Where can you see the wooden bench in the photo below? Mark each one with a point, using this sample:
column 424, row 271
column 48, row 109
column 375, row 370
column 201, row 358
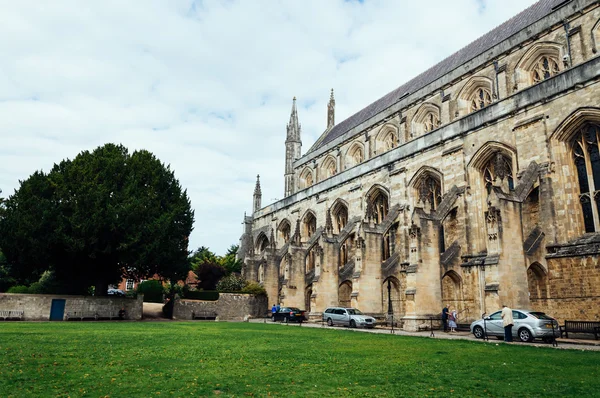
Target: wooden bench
column 204, row 315
column 91, row 316
column 11, row 314
column 590, row 327
column 81, row 316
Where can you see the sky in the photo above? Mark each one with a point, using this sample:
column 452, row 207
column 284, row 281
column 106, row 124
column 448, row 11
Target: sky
column 207, row 86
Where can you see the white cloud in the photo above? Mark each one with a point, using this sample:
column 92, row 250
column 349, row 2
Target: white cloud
column 207, row 85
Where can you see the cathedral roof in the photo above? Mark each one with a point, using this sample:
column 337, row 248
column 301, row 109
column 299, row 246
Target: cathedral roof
column 520, row 21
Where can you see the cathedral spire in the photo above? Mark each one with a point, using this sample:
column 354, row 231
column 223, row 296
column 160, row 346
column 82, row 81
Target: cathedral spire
column 293, row 147
column 257, row 195
column 293, row 126
column 331, row 112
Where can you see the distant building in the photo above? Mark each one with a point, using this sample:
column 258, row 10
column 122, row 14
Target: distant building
column 473, row 184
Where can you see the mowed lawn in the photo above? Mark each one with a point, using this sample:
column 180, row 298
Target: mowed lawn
column 125, row 359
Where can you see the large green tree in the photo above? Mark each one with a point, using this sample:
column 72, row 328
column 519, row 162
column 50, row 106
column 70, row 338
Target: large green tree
column 94, row 219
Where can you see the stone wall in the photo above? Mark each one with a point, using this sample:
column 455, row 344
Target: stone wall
column 229, row 307
column 36, row 307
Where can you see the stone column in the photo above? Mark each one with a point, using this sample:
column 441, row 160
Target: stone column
column 294, row 293
column 366, row 286
column 425, row 285
column 271, row 282
column 512, row 269
column 327, row 285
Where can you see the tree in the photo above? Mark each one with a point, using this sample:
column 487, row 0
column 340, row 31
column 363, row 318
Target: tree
column 230, row 261
column 209, row 275
column 92, row 220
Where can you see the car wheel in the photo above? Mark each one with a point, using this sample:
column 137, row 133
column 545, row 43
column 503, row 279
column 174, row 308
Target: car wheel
column 352, row 323
column 525, row 335
column 286, row 319
column 329, row 322
column 273, row 318
column 478, row 332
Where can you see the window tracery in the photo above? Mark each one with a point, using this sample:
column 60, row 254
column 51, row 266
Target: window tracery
column 390, row 141
column 310, row 225
column 358, row 156
column 377, row 206
column 340, row 215
column 329, row 168
column 545, row 67
column 481, row 98
column 430, row 190
column 431, row 122
column 586, row 156
column 499, row 167
column 285, row 231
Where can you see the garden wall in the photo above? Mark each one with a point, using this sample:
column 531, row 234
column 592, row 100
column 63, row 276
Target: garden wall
column 36, row 307
column 229, row 307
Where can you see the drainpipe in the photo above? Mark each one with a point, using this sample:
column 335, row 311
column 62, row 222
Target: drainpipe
column 496, row 92
column 567, row 26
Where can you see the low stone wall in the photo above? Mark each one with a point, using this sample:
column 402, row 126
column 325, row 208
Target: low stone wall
column 36, row 307
column 229, row 307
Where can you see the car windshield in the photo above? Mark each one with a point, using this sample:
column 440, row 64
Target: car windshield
column 294, row 309
column 540, row 315
column 353, row 311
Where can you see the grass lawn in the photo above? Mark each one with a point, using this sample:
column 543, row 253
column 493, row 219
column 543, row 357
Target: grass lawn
column 126, row 359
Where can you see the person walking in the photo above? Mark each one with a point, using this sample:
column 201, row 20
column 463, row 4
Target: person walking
column 273, row 309
column 445, row 318
column 507, row 322
column 452, row 317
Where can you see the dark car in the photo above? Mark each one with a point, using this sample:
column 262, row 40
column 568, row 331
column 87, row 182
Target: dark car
column 288, row 314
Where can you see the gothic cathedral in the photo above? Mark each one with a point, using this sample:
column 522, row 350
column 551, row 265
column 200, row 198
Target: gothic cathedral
column 473, row 184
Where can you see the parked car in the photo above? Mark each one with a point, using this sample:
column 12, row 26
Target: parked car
column 528, row 325
column 288, row 314
column 348, row 317
column 116, row 292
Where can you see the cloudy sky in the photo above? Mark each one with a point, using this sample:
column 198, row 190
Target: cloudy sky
column 207, row 86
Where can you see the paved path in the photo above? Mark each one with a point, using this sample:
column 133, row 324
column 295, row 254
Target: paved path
column 567, row 344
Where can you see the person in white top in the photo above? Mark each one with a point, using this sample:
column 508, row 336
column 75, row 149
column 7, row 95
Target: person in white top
column 507, row 322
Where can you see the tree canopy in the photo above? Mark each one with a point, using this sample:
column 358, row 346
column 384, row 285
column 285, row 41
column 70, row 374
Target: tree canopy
column 92, row 220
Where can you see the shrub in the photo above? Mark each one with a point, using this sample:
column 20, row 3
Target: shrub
column 231, row 283
column 18, row 289
column 152, row 290
column 254, row 288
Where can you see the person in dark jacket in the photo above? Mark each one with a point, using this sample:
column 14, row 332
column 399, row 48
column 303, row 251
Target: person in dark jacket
column 445, row 317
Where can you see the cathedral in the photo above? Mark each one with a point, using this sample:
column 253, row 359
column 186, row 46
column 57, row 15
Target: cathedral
column 472, row 185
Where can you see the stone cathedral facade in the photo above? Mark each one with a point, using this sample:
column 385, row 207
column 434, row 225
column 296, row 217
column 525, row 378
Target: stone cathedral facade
column 473, row 184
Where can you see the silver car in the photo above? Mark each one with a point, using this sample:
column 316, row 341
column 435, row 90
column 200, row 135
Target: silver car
column 348, row 317
column 528, row 325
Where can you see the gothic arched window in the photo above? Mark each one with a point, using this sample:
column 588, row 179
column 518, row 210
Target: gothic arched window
column 545, row 67
column 430, row 190
column 431, row 122
column 340, row 217
column 358, row 156
column 285, row 230
column 377, row 206
column 310, row 225
column 329, row 168
column 480, row 99
column 587, row 162
column 390, row 141
column 499, row 167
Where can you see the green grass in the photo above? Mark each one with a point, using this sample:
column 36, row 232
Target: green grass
column 98, row 359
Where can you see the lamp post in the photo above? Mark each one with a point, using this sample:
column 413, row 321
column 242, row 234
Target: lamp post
column 390, row 308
